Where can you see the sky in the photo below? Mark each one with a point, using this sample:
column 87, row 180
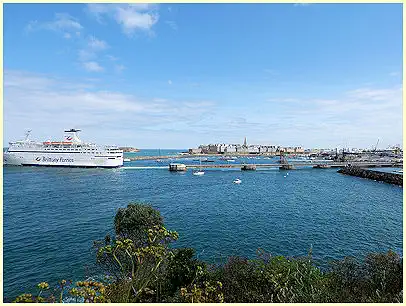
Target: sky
column 181, row 75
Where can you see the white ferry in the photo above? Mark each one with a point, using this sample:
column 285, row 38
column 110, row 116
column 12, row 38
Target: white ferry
column 71, row 152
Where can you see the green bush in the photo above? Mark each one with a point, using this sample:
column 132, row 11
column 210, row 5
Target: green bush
column 181, row 270
column 134, row 221
column 377, row 279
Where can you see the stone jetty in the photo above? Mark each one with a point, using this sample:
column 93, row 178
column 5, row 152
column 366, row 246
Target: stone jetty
column 391, row 178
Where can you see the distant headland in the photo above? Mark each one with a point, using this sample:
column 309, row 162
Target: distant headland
column 129, row 149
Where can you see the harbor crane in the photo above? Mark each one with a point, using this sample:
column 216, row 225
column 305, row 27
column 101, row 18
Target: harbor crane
column 376, row 145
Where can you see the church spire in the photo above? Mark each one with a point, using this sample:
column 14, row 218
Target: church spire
column 245, row 142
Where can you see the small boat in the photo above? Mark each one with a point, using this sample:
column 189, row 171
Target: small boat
column 126, row 159
column 237, row 181
column 231, row 160
column 198, row 173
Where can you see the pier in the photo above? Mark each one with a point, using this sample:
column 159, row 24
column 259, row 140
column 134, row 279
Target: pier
column 291, row 166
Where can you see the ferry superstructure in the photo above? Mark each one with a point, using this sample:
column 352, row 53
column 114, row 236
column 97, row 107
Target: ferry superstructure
column 71, row 152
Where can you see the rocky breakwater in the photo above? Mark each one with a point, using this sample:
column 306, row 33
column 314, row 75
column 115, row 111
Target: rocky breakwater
column 391, row 178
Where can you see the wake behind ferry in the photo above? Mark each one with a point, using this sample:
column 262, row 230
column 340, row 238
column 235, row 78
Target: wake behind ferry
column 71, row 152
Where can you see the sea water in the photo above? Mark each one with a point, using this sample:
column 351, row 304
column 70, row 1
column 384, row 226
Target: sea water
column 52, row 216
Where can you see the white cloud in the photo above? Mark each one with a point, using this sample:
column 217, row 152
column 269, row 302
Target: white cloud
column 395, row 73
column 375, row 94
column 93, row 66
column 159, row 100
column 271, row 71
column 172, row 24
column 283, row 100
column 93, row 46
column 143, row 6
column 29, row 81
column 63, row 23
column 97, row 44
column 98, row 10
column 85, row 55
column 131, row 17
column 119, row 68
column 89, row 54
column 111, row 57
column 69, row 27
column 360, row 115
column 32, row 100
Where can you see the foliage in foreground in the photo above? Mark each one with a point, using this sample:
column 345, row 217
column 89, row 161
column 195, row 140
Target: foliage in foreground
column 143, row 268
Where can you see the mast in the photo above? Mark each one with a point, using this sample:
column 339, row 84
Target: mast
column 27, row 135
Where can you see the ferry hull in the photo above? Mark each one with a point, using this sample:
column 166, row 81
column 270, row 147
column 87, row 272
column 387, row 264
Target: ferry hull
column 63, row 160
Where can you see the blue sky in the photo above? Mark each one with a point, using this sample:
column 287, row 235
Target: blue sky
column 180, row 75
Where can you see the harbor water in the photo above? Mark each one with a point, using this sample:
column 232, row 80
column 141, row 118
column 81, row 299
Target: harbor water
column 53, row 215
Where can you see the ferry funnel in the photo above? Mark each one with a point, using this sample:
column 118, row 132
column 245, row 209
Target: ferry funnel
column 71, row 136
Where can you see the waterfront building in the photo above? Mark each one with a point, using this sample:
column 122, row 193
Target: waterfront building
column 213, row 148
column 269, row 149
column 230, row 149
column 242, row 149
column 204, row 148
column 253, row 149
column 222, row 148
column 195, row 151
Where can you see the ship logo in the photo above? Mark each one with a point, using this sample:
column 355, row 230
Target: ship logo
column 38, row 159
column 69, row 138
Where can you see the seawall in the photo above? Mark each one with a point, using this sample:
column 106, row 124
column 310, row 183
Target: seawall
column 391, row 178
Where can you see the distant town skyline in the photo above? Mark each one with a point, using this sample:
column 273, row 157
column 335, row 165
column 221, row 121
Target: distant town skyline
column 182, row 75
